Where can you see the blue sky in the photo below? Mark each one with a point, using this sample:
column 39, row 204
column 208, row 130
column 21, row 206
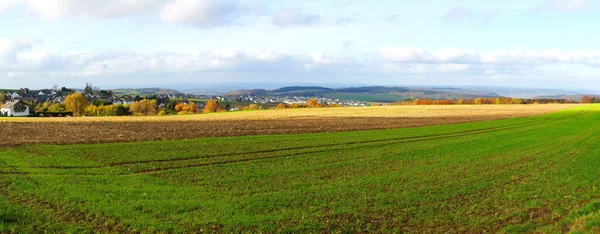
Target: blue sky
column 197, row 43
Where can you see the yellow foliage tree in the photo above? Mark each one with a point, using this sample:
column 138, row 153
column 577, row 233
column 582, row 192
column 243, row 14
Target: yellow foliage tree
column 144, row 107
column 516, row 101
column 3, row 97
column 281, row 106
column 57, row 108
column 252, row 107
column 76, row 103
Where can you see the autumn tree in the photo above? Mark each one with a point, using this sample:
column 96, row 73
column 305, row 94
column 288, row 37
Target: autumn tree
column 516, row 101
column 144, row 107
column 3, row 97
column 43, row 107
column 313, row 103
column 191, row 108
column 76, row 103
column 57, row 108
column 185, row 108
column 211, row 106
column 587, row 99
column 478, row 101
column 281, row 106
column 252, row 107
column 179, row 107
column 497, row 101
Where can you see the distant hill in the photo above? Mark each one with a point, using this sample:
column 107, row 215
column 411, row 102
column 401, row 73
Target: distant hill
column 144, row 91
column 250, row 92
column 369, row 93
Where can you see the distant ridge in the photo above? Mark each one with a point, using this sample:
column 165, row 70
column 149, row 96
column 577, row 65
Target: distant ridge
column 145, row 91
column 369, row 93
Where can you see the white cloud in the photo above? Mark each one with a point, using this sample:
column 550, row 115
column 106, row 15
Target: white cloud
column 6, row 4
column 9, row 49
column 22, row 63
column 504, row 57
column 201, row 13
column 18, row 58
column 565, row 5
column 49, row 9
column 351, row 19
column 491, row 15
column 415, row 55
column 457, row 14
column 394, row 18
column 292, row 17
column 209, row 13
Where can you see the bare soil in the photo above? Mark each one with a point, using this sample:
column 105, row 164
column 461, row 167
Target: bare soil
column 71, row 132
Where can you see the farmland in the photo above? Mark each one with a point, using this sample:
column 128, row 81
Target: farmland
column 532, row 174
column 121, row 129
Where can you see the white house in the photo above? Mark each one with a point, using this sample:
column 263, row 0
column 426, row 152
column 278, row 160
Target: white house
column 15, row 108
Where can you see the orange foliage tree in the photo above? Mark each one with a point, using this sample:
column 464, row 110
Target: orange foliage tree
column 586, row 99
column 211, row 106
column 185, row 108
column 313, row 103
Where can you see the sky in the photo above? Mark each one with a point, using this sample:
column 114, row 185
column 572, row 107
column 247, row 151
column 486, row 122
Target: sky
column 187, row 44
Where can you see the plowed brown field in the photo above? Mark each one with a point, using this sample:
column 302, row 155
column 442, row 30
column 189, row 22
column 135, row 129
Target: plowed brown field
column 17, row 131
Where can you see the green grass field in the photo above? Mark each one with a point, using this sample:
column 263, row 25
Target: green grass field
column 536, row 174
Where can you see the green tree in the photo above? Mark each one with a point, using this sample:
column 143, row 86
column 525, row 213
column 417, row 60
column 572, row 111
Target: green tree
column 88, row 88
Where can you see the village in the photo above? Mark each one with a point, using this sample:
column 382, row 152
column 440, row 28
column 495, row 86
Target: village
column 52, row 102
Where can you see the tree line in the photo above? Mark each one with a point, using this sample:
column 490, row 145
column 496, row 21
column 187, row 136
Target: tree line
column 78, row 105
column 483, row 101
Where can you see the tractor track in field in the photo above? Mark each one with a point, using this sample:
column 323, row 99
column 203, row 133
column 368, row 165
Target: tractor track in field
column 465, row 199
column 410, row 140
column 94, row 223
column 521, row 178
column 384, row 143
column 272, row 151
column 388, row 141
